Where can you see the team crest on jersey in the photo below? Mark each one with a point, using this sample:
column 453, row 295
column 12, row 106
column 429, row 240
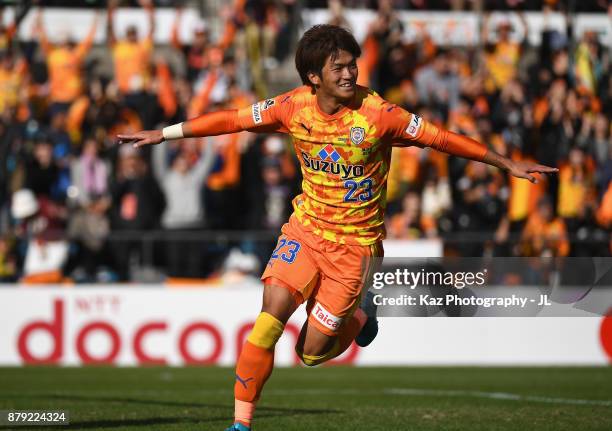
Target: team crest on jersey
column 357, row 135
column 267, row 104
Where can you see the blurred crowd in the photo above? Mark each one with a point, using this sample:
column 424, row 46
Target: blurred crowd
column 76, row 206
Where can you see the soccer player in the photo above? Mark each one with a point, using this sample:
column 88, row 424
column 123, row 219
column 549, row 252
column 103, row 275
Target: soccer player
column 343, row 134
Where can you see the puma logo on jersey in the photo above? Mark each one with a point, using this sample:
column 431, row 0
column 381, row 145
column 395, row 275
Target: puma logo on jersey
column 267, row 104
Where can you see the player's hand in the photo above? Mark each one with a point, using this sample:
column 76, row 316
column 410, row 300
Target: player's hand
column 140, row 139
column 522, row 169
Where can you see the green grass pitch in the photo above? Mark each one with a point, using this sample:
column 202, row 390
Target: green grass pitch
column 322, row 399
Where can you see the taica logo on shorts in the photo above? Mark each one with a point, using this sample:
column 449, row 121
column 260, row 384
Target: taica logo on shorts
column 325, row 318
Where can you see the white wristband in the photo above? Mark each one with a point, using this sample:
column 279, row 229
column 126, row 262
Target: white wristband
column 173, row 132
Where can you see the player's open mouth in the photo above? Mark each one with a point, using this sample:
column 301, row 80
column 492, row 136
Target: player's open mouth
column 347, row 85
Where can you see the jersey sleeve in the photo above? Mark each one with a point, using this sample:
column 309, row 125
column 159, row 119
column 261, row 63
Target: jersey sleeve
column 404, row 128
column 269, row 115
column 262, row 117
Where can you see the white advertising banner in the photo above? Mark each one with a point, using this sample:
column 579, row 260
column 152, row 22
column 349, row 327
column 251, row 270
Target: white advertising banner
column 446, row 28
column 463, row 28
column 138, row 325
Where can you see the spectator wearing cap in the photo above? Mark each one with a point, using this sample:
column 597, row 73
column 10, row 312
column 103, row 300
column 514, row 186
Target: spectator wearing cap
column 40, row 231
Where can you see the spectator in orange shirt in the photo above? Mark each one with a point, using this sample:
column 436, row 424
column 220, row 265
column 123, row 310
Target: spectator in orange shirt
column 131, row 58
column 502, row 57
column 64, row 61
column 13, row 76
column 576, row 187
column 604, row 212
column 544, row 234
column 411, row 223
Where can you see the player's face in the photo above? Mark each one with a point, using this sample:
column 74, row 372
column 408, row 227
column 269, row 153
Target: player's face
column 339, row 76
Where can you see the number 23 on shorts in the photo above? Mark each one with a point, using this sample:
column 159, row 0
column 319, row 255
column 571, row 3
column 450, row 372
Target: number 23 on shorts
column 287, row 250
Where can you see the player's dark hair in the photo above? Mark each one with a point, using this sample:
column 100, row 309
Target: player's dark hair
column 320, row 42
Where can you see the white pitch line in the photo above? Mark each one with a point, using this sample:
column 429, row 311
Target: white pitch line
column 411, row 392
column 444, row 393
column 495, row 396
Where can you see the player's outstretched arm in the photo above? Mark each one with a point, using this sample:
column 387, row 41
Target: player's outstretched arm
column 463, row 146
column 211, row 124
column 466, row 147
column 261, row 117
column 425, row 134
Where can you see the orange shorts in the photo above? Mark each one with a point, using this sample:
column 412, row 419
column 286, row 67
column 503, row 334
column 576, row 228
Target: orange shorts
column 330, row 276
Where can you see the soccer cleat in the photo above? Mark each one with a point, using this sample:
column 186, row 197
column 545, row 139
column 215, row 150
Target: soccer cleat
column 370, row 329
column 238, row 427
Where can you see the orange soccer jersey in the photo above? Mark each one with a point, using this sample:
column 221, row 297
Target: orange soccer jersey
column 345, row 157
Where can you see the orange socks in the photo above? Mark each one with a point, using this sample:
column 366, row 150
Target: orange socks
column 255, row 365
column 252, row 370
column 257, row 359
